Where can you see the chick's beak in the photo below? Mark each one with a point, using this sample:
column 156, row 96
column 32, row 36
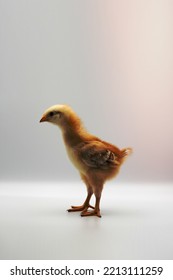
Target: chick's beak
column 43, row 119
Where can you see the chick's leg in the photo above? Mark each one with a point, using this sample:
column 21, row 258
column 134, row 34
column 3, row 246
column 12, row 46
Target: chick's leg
column 96, row 211
column 86, row 203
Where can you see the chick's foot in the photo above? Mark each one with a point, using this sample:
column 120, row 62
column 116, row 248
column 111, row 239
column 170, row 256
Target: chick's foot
column 95, row 212
column 79, row 208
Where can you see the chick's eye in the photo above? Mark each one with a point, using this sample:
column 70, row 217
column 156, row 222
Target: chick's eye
column 51, row 114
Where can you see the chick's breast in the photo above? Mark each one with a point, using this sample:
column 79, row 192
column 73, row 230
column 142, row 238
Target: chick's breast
column 74, row 157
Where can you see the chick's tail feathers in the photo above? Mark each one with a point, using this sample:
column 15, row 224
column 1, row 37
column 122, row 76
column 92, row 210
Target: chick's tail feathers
column 125, row 153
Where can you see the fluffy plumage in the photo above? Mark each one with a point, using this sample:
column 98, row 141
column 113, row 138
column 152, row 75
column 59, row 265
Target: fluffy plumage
column 96, row 160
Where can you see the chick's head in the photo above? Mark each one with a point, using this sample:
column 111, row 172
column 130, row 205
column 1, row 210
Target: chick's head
column 61, row 115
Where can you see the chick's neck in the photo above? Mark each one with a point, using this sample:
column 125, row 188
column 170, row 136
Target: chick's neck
column 73, row 136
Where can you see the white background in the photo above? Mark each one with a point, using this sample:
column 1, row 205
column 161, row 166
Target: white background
column 112, row 61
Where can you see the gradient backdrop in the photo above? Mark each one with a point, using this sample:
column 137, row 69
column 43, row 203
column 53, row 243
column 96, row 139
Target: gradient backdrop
column 112, row 62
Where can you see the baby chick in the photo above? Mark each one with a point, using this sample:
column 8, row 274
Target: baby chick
column 96, row 160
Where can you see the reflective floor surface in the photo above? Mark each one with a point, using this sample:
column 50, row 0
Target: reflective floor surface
column 136, row 223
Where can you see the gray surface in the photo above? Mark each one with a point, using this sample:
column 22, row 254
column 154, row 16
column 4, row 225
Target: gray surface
column 136, row 222
column 110, row 60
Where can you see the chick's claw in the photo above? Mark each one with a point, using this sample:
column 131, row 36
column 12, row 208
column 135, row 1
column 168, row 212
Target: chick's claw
column 86, row 213
column 76, row 208
column 80, row 208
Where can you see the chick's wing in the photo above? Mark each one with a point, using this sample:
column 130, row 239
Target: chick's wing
column 96, row 154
